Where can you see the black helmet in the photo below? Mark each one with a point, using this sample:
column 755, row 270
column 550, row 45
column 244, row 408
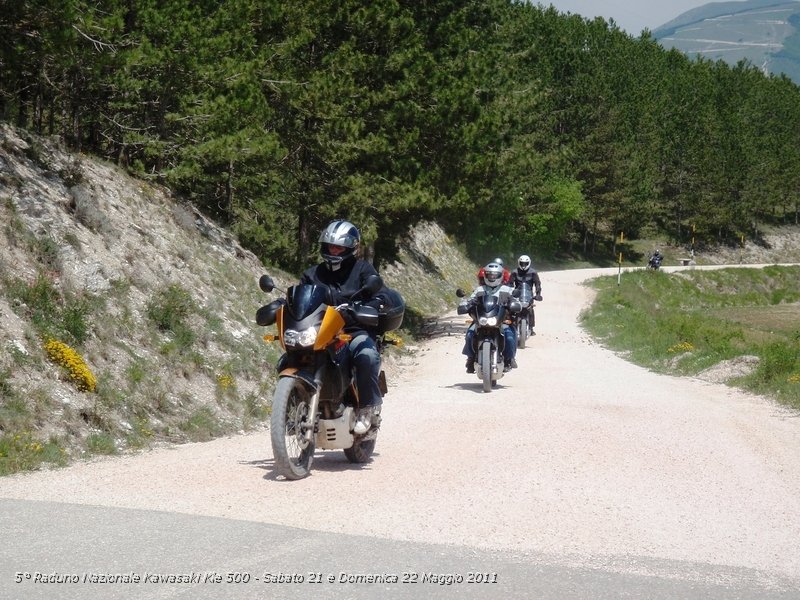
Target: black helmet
column 339, row 233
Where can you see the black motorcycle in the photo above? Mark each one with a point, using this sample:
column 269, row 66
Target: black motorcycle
column 488, row 317
column 655, row 262
column 525, row 319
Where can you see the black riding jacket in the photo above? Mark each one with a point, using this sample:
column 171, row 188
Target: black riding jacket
column 531, row 277
column 344, row 281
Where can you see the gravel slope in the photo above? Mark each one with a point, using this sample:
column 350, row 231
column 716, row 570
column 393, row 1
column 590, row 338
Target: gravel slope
column 577, row 455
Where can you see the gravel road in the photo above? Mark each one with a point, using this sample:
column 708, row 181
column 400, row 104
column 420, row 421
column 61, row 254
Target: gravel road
column 577, row 456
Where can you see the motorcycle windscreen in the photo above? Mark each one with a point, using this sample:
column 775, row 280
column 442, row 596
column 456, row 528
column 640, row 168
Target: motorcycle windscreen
column 490, row 304
column 304, row 299
column 525, row 294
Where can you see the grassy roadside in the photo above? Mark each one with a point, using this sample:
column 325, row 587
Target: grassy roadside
column 685, row 322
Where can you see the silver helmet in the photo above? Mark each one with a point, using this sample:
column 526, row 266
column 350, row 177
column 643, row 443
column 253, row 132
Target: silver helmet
column 493, row 274
column 339, row 233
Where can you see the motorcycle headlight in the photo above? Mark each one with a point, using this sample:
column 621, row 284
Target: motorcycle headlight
column 307, row 337
column 488, row 321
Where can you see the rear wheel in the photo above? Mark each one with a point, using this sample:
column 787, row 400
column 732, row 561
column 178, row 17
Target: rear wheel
column 292, row 451
column 486, row 366
column 360, row 452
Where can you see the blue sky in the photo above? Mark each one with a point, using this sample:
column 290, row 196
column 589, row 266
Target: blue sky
column 630, row 15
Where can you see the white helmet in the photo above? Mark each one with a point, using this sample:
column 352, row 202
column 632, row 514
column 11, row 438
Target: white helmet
column 493, row 274
column 524, row 263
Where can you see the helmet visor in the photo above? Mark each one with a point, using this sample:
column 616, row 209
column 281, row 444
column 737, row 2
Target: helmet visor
column 492, row 277
column 333, row 249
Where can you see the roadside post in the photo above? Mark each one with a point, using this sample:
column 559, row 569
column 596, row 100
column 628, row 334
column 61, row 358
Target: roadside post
column 741, row 251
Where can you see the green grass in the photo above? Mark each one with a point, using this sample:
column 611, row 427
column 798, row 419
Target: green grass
column 23, row 451
column 201, row 425
column 686, row 322
column 51, row 313
column 101, row 443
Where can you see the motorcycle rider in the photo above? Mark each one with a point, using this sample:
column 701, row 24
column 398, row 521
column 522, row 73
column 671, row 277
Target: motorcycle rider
column 655, row 259
column 525, row 273
column 493, row 285
column 344, row 273
column 506, row 274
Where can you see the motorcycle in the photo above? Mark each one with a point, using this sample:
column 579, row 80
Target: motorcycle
column 315, row 402
column 655, row 262
column 525, row 319
column 488, row 317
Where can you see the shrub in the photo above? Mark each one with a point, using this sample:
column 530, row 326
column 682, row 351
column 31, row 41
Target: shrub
column 201, row 425
column 101, row 443
column 69, row 359
column 170, row 307
column 51, row 316
column 778, row 361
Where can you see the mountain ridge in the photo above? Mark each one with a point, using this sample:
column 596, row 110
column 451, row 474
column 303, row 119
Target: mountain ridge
column 764, row 33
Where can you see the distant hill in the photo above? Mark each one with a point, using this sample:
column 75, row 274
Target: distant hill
column 763, row 32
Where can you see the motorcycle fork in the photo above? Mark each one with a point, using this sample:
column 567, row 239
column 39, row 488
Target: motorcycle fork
column 496, row 352
column 313, row 405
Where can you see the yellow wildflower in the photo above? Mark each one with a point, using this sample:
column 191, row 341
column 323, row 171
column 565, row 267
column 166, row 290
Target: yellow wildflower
column 78, row 372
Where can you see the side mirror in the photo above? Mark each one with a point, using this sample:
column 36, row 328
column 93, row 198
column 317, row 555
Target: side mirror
column 514, row 306
column 460, row 293
column 266, row 284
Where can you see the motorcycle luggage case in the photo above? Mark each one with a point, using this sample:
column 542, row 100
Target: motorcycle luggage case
column 390, row 317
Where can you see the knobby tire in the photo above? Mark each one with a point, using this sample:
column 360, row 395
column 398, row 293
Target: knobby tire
column 486, row 366
column 293, row 454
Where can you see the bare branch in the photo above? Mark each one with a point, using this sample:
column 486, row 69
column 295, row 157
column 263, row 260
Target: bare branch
column 98, row 45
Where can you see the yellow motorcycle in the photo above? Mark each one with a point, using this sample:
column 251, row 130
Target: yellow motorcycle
column 316, row 400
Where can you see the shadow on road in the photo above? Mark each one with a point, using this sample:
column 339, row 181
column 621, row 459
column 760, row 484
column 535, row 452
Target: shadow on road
column 476, row 387
column 330, row 461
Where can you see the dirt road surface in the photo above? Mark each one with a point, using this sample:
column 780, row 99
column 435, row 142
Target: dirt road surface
column 577, row 455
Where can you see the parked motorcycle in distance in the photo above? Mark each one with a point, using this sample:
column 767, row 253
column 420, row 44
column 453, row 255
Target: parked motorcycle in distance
column 488, row 317
column 315, row 401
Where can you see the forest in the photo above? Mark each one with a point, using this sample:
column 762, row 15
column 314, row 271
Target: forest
column 516, row 127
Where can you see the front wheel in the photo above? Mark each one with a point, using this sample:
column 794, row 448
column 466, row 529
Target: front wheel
column 292, row 450
column 486, row 366
column 522, row 332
